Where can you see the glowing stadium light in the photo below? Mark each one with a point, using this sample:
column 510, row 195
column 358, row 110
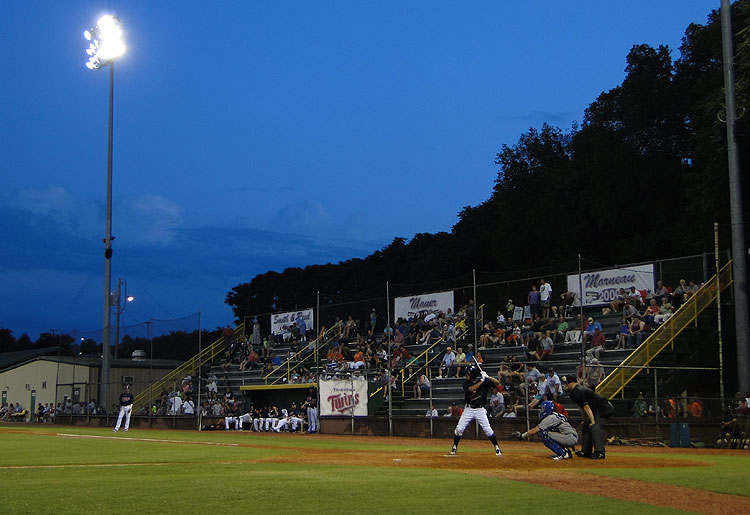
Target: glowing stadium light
column 106, row 42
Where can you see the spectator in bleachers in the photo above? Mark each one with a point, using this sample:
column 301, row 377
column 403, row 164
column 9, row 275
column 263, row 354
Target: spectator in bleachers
column 665, row 311
column 532, row 346
column 432, row 412
column 421, row 387
column 514, row 339
column 509, row 412
column 695, row 407
column 509, row 310
column 554, row 386
column 546, row 346
column 591, row 326
column 501, row 321
column 594, row 374
column 545, row 297
column 560, row 330
column 635, row 297
column 622, row 334
column 628, row 309
column 680, row 294
column 597, row 344
column 447, row 368
column 350, row 328
column 496, row 402
column 618, row 301
column 637, row 332
column 660, row 292
column 461, row 363
column 534, row 302
column 652, row 310
column 568, row 301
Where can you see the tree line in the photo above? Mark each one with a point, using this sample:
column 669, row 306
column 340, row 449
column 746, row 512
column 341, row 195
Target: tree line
column 644, row 176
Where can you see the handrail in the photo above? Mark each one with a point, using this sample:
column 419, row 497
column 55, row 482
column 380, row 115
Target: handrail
column 189, row 366
column 328, row 336
column 429, row 359
column 664, row 335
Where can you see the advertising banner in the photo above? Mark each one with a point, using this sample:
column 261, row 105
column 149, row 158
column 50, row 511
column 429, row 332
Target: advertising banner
column 602, row 287
column 339, row 396
column 279, row 320
column 407, row 307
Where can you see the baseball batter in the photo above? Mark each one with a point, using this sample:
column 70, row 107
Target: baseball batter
column 476, row 386
column 126, row 408
column 554, row 430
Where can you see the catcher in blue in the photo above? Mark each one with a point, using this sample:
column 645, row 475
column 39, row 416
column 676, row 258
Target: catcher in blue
column 554, row 430
column 476, row 386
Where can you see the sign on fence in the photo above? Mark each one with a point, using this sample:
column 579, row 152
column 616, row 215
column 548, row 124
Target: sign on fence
column 339, row 396
column 408, row 307
column 279, row 320
column 602, row 287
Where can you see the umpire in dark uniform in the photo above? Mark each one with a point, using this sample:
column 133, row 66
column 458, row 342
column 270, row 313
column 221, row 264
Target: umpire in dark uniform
column 595, row 409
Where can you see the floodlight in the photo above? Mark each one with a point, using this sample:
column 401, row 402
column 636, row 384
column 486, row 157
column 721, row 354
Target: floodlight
column 106, row 42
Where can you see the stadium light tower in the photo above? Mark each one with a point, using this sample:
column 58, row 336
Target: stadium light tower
column 105, row 47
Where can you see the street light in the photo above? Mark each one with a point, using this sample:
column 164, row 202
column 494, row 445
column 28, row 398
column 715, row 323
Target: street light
column 105, row 46
column 122, row 286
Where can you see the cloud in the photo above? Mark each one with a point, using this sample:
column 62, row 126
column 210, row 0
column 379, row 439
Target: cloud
column 149, row 220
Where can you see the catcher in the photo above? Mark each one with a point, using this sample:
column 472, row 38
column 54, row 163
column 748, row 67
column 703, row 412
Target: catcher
column 554, row 430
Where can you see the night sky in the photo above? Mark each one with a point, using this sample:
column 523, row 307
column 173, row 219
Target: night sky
column 254, row 136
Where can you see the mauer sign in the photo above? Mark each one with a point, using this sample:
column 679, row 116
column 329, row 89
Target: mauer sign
column 340, row 396
column 602, row 287
column 279, row 320
column 407, row 307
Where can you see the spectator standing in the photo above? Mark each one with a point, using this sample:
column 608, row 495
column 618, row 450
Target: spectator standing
column 533, row 300
column 545, row 297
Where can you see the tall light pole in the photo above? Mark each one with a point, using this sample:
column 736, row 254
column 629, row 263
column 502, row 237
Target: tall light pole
column 122, row 288
column 739, row 250
column 106, row 45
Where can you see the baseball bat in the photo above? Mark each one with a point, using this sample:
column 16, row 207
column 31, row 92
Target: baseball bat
column 477, row 363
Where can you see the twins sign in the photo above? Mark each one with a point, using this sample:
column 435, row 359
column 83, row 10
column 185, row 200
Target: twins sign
column 341, row 396
column 601, row 287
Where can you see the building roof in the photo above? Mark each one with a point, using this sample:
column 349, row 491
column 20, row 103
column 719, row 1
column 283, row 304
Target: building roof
column 12, row 359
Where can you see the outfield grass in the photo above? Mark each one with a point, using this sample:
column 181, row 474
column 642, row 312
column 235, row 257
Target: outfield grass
column 187, row 472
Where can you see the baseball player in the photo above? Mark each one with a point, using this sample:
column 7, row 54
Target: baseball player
column 126, row 408
column 554, row 430
column 476, row 386
column 311, row 403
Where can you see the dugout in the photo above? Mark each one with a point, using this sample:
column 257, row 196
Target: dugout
column 280, row 394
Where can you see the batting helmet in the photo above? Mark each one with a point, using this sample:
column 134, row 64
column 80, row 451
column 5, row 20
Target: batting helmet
column 473, row 372
column 546, row 408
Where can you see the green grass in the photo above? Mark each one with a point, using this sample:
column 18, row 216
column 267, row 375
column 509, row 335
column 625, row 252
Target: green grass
column 724, row 474
column 203, row 472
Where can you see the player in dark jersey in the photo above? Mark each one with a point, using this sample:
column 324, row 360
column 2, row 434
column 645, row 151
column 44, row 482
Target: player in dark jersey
column 126, row 408
column 476, row 386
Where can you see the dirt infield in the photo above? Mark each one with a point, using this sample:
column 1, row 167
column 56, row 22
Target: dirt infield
column 521, row 458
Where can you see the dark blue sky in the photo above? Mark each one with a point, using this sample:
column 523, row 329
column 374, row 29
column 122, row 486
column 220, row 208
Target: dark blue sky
column 253, row 136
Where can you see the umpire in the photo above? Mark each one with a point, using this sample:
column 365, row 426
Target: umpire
column 595, row 410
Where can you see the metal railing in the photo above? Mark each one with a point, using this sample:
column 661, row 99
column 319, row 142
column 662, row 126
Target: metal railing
column 663, row 336
column 328, row 336
column 188, row 367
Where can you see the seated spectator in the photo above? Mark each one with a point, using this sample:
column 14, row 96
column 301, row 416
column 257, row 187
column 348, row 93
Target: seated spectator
column 635, row 297
column 560, row 330
column 665, row 311
column 660, row 292
column 573, row 337
column 421, row 387
column 695, row 408
column 651, row 311
column 622, row 335
column 637, row 332
column 449, row 412
column 680, row 294
column 568, row 301
column 460, row 362
column 509, row 412
column 275, row 360
column 447, row 368
column 597, row 344
column 497, row 402
column 595, row 375
column 590, row 328
column 546, row 346
column 628, row 309
column 432, row 412
column 350, row 328
column 618, row 301
column 691, row 289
